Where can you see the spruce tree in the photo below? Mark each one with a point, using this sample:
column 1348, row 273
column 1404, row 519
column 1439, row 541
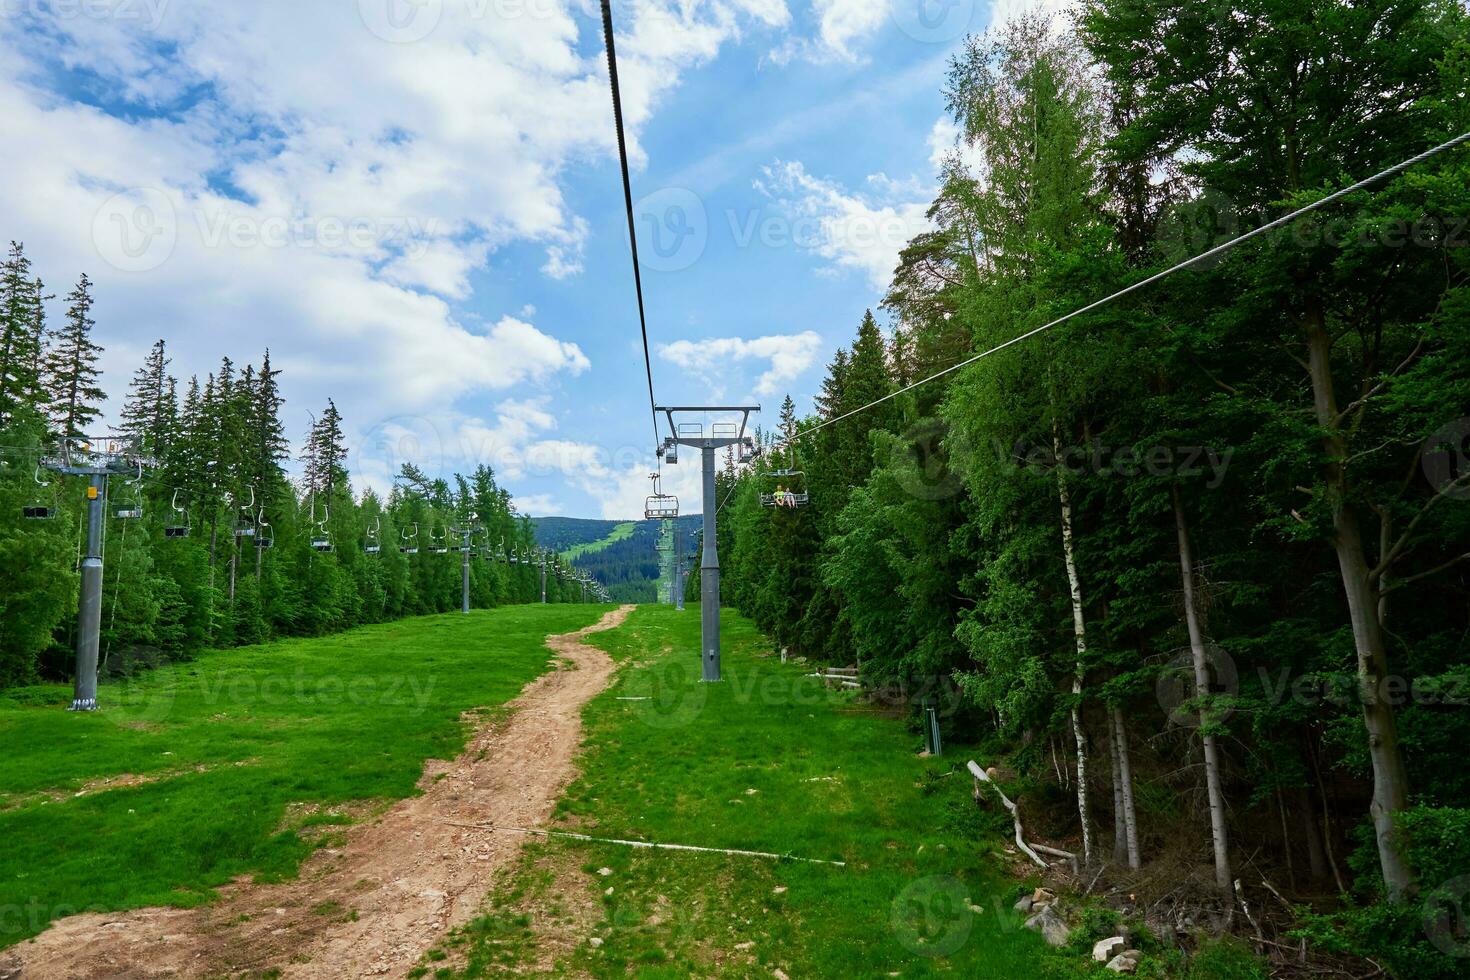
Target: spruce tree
column 21, row 314
column 71, row 372
column 147, row 412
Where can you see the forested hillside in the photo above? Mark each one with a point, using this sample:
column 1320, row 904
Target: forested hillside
column 563, row 534
column 1194, row 563
column 622, row 556
column 228, row 549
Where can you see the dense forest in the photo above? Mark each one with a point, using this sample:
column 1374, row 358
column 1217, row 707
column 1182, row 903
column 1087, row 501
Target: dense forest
column 226, row 548
column 1193, row 563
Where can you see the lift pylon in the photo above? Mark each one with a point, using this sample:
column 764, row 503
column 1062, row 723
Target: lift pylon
column 720, row 435
column 98, row 460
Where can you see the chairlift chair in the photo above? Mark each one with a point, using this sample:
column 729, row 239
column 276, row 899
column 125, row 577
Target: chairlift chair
column 132, row 509
column 245, row 528
column 373, row 546
column 661, row 506
column 265, row 534
column 177, row 530
column 780, row 496
column 440, row 542
column 410, row 545
column 39, row 511
column 321, row 541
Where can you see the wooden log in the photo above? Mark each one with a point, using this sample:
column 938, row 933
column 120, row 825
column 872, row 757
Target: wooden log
column 982, row 777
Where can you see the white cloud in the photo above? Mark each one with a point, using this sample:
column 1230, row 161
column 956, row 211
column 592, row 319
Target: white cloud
column 537, row 505
column 616, row 479
column 859, row 231
column 1003, row 12
column 788, row 355
column 946, row 143
column 841, row 24
column 325, row 193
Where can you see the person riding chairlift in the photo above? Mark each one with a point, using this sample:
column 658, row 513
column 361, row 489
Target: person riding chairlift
column 783, row 497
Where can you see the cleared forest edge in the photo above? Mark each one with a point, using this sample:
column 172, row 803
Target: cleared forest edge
column 373, row 906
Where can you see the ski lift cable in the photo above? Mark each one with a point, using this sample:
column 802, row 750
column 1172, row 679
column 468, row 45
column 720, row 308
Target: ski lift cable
column 617, row 101
column 1285, row 219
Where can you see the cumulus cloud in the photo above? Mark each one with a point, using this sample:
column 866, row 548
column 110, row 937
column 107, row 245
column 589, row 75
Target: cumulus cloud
column 1003, row 12
column 322, row 179
column 947, row 144
column 840, row 26
column 537, row 505
column 861, row 231
column 787, row 355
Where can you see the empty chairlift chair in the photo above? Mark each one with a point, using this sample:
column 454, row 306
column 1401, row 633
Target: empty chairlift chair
column 661, row 506
column 130, row 508
column 410, row 542
column 180, row 527
column 40, row 509
column 373, row 546
column 321, row 541
column 265, row 537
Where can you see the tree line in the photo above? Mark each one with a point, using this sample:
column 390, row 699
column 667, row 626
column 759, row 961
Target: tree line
column 230, row 548
column 1194, row 562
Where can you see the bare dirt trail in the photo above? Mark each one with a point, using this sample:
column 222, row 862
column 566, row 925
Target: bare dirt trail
column 374, row 906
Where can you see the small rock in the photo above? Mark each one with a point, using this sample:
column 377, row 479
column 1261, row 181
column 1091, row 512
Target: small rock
column 1051, row 927
column 595, row 942
column 751, row 792
column 609, row 890
column 1105, row 949
column 604, row 871
column 744, row 946
column 1121, row 964
column 779, row 890
column 779, row 974
column 1024, row 905
column 1042, row 895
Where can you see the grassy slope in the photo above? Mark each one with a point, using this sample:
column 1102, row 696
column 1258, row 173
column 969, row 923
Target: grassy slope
column 832, row 781
column 620, row 533
column 334, row 719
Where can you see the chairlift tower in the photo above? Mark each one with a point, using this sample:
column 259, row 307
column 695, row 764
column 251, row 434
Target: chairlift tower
column 721, row 435
column 679, row 567
column 469, row 530
column 97, row 460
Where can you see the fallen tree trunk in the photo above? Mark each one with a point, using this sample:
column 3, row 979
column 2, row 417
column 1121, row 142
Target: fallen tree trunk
column 982, row 777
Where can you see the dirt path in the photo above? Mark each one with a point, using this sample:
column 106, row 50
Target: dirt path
column 373, row 907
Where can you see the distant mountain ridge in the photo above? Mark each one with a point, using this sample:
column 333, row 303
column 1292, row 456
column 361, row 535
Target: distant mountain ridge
column 622, row 555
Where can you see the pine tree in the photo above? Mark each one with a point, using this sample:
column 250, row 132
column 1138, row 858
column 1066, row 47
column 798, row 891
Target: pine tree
column 22, row 318
column 71, row 371
column 326, row 455
column 148, row 413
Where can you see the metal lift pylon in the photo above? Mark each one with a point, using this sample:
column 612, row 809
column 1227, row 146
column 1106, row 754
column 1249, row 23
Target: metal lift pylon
column 720, row 436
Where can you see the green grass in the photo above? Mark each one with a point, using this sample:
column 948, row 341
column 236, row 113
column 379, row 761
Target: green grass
column 230, row 741
column 831, row 780
column 620, row 533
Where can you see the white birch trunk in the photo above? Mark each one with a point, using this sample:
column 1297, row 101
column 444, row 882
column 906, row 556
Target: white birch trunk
column 1202, row 690
column 1079, row 625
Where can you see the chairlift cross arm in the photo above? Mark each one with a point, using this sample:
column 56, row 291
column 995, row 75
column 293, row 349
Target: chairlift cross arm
column 713, row 440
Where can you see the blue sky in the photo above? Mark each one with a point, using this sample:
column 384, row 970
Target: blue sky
column 416, row 205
